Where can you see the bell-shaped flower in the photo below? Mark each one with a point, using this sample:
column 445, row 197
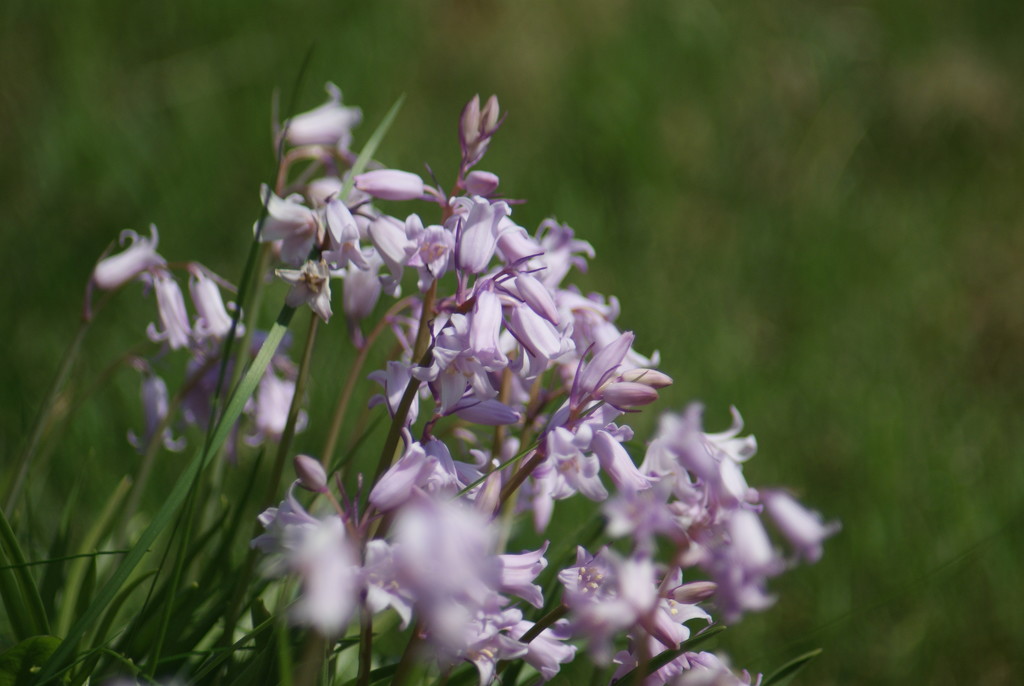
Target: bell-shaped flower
column 549, row 649
column 395, row 379
column 390, row 184
column 481, row 183
column 396, row 485
column 478, row 234
column 626, row 395
column 384, row 588
column 708, row 669
column 328, row 563
column 742, row 566
column 444, row 554
column 484, row 330
column 311, row 473
column 393, row 245
column 328, row 124
column 170, row 304
column 601, row 367
column 617, row 464
column 361, row 288
column 561, row 252
column 537, row 296
column 343, row 244
column 434, row 247
column 155, row 406
column 804, row 529
column 140, row 255
column 310, row 285
column 476, row 127
column 213, row 320
column 579, row 470
column 605, row 595
column 269, row 408
column 518, row 573
column 515, row 245
column 487, row 412
column 290, row 222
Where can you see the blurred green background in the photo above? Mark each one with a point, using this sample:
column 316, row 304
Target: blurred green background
column 814, row 210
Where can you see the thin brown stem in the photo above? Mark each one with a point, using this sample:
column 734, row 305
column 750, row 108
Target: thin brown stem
column 422, row 354
column 327, row 454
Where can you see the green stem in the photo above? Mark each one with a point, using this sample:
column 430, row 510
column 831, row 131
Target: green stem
column 174, row 500
column 36, row 621
column 327, row 454
column 421, row 353
column 46, row 412
column 77, row 572
column 365, row 646
column 283, row 447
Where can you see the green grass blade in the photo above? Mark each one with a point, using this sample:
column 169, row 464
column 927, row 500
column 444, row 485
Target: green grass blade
column 80, row 568
column 366, row 154
column 35, row 614
column 786, row 672
column 175, row 498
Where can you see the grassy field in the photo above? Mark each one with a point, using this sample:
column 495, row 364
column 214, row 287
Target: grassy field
column 814, row 210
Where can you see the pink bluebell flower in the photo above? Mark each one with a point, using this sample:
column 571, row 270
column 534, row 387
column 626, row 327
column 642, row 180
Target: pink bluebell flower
column 140, row 255
column 170, row 304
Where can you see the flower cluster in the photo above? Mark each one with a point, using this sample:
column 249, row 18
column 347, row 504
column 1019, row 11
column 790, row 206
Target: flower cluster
column 510, row 392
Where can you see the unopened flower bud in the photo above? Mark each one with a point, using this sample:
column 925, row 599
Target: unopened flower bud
column 391, row 184
column 488, row 499
column 170, row 304
column 489, row 116
column 214, row 319
column 538, row 297
column 476, row 127
column 481, row 182
column 469, row 122
column 648, row 377
column 694, row 592
column 804, row 529
column 328, row 124
column 488, row 412
column 121, row 268
column 625, row 395
column 311, row 473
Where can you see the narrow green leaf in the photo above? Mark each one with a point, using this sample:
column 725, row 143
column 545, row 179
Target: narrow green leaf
column 20, row 663
column 366, row 154
column 79, row 569
column 664, row 658
column 785, row 673
column 173, row 500
column 17, row 614
column 100, row 638
column 378, row 675
column 54, row 572
column 35, row 614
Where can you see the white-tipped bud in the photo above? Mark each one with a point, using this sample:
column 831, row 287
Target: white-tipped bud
column 626, row 395
column 391, row 184
column 116, row 270
column 489, row 116
column 489, row 497
column 469, row 123
column 694, row 592
column 481, row 182
column 311, row 473
column 538, row 297
column 648, row 377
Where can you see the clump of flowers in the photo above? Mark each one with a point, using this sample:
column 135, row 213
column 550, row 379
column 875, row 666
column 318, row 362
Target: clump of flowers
column 510, row 391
